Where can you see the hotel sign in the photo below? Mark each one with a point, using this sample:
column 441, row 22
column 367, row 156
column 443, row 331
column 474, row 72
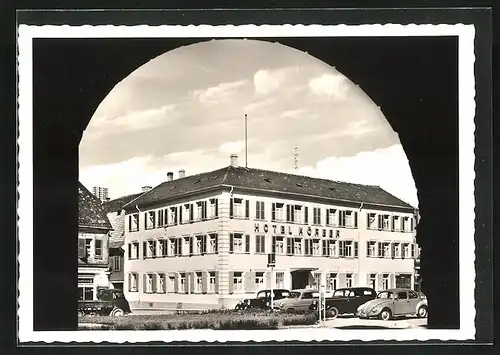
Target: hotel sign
column 301, row 231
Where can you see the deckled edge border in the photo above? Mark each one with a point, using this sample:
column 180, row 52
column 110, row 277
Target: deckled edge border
column 466, row 35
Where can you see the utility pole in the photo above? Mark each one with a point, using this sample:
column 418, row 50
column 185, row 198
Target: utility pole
column 246, row 142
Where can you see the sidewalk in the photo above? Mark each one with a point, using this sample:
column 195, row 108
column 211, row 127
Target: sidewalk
column 354, row 323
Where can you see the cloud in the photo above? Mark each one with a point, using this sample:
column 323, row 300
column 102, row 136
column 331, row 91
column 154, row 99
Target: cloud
column 330, row 85
column 294, row 114
column 232, row 147
column 219, row 93
column 387, row 168
column 267, row 81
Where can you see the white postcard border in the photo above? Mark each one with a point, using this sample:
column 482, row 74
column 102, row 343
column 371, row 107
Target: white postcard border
column 465, row 33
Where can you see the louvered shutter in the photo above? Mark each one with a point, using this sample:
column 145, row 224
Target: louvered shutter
column 380, row 221
column 393, row 223
column 325, row 248
column 247, row 209
column 249, row 281
column 144, row 249
column 179, row 246
column 306, row 248
column 191, row 212
column 412, row 225
column 392, row 278
column 231, row 243
column 191, row 245
column 355, row 219
column 144, row 283
column 306, row 215
column 402, row 224
column 368, row 249
column 82, row 249
column 273, row 246
column 380, row 282
column 380, row 248
column 342, row 280
column 355, row 249
column 413, row 250
column 327, row 216
column 231, row 282
column 180, row 213
column 247, row 243
column 216, row 282
column 176, row 283
column 204, row 210
column 231, row 208
column 341, row 249
column 393, row 250
column 204, row 282
column 216, row 207
column 165, row 217
column 289, row 246
column 129, row 278
column 216, row 243
column 203, row 243
column 192, row 277
column 153, row 287
column 273, row 216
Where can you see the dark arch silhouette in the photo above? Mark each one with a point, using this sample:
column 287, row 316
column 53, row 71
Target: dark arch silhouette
column 413, row 80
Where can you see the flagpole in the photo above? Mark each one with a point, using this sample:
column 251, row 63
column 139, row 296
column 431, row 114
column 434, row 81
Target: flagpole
column 246, row 142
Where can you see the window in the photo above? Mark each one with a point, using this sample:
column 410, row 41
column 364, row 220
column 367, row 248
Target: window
column 277, row 212
column 387, row 250
column 171, row 284
column 384, row 222
column 159, row 218
column 172, row 250
column 331, row 217
column 149, row 249
column 371, row 221
column 316, row 216
column 186, row 213
column 161, row 285
column 371, row 249
column 280, row 280
column 412, row 295
column 396, row 223
column 348, row 280
column 149, row 219
column 316, row 247
column 297, row 246
column 133, row 281
column 259, row 210
column 212, row 243
column 160, row 247
column 198, row 214
column 133, row 222
column 172, row 216
column 297, row 214
column 408, row 224
column 182, row 283
column 259, row 280
column 198, row 245
column 348, row 249
column 98, row 249
column 308, row 247
column 186, row 245
column 198, row 282
column 317, row 280
column 331, row 282
column 150, row 280
column 214, row 210
column 290, row 213
column 373, row 281
column 85, row 293
column 236, row 243
column 88, row 246
column 279, row 245
column 260, row 243
column 332, row 248
column 396, row 250
column 115, row 262
column 348, row 219
column 405, row 252
column 237, row 282
column 385, row 281
column 211, row 284
column 133, row 250
column 237, row 209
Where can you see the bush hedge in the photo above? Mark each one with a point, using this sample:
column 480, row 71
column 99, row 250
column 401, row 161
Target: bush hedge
column 225, row 320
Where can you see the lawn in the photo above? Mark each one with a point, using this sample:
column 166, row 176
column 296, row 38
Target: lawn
column 205, row 320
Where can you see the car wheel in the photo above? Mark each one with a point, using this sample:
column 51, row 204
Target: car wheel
column 385, row 314
column 422, row 312
column 117, row 312
column 332, row 312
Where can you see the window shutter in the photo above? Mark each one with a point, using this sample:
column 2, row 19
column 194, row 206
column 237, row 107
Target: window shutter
column 273, row 246
column 273, row 216
column 393, row 223
column 247, row 209
column 165, row 216
column 412, row 224
column 263, row 243
column 368, row 249
column 129, row 282
column 380, row 282
column 392, row 280
column 288, row 213
column 393, row 250
column 144, row 282
column 412, row 250
column 231, row 208
column 341, row 249
column 380, row 221
column 289, row 246
column 402, row 224
column 355, row 249
column 216, row 243
column 355, row 219
column 81, row 248
column 191, row 212
column 367, row 221
column 216, row 207
column 204, row 210
column 306, row 248
column 192, row 276
column 180, row 213
column 342, row 280
column 204, row 282
column 257, row 244
column 130, row 223
column 231, row 282
column 262, row 210
column 249, row 281
column 176, row 283
column 153, row 286
column 340, row 219
column 325, row 248
column 231, row 242
column 179, row 246
column 191, row 245
column 327, row 217
column 203, row 243
column 247, row 243
column 216, row 282
column 306, row 215
column 144, row 249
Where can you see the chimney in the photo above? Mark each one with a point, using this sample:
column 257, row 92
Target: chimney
column 146, row 188
column 182, row 173
column 234, row 160
column 170, row 176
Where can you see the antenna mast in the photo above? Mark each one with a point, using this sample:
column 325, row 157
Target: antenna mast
column 295, row 159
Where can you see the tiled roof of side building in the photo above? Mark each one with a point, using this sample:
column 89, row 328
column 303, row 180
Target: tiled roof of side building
column 116, row 205
column 90, row 210
column 265, row 180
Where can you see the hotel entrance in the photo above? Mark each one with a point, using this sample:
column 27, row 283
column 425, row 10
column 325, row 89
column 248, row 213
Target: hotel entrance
column 301, row 278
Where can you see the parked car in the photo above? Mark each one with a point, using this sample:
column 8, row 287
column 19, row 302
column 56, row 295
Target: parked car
column 394, row 302
column 299, row 301
column 110, row 302
column 347, row 300
column 263, row 299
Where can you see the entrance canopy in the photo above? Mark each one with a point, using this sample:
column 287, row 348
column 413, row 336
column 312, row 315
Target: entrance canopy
column 303, row 269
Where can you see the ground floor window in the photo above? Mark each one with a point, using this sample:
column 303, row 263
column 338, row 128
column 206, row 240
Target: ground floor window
column 198, row 285
column 161, row 286
column 211, row 284
column 259, row 280
column 331, row 282
column 348, row 280
column 237, row 282
column 132, row 282
column 373, row 281
column 86, row 293
column 317, row 280
column 171, row 284
column 403, row 281
column 385, row 281
column 280, row 280
column 182, row 283
column 149, row 283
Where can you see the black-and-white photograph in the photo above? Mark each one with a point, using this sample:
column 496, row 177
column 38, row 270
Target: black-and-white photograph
column 235, row 182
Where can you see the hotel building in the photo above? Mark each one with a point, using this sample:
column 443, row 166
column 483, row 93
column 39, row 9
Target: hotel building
column 203, row 241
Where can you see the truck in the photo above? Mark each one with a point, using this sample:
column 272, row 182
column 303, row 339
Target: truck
column 110, row 302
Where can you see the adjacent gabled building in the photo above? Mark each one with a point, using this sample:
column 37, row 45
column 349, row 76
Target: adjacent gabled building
column 203, row 241
column 93, row 235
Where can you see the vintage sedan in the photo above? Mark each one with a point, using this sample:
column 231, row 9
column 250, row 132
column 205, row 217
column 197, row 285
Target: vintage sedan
column 394, row 303
column 299, row 301
column 347, row 300
column 263, row 299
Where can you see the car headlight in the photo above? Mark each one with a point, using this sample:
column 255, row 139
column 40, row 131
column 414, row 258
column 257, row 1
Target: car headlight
column 374, row 309
column 281, row 305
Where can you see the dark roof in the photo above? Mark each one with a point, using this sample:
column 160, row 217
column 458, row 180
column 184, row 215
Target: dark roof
column 265, row 180
column 90, row 210
column 117, row 204
column 115, row 244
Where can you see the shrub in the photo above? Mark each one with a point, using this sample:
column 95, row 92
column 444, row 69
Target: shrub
column 301, row 319
column 153, row 326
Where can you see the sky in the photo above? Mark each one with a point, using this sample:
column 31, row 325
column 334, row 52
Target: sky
column 185, row 110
